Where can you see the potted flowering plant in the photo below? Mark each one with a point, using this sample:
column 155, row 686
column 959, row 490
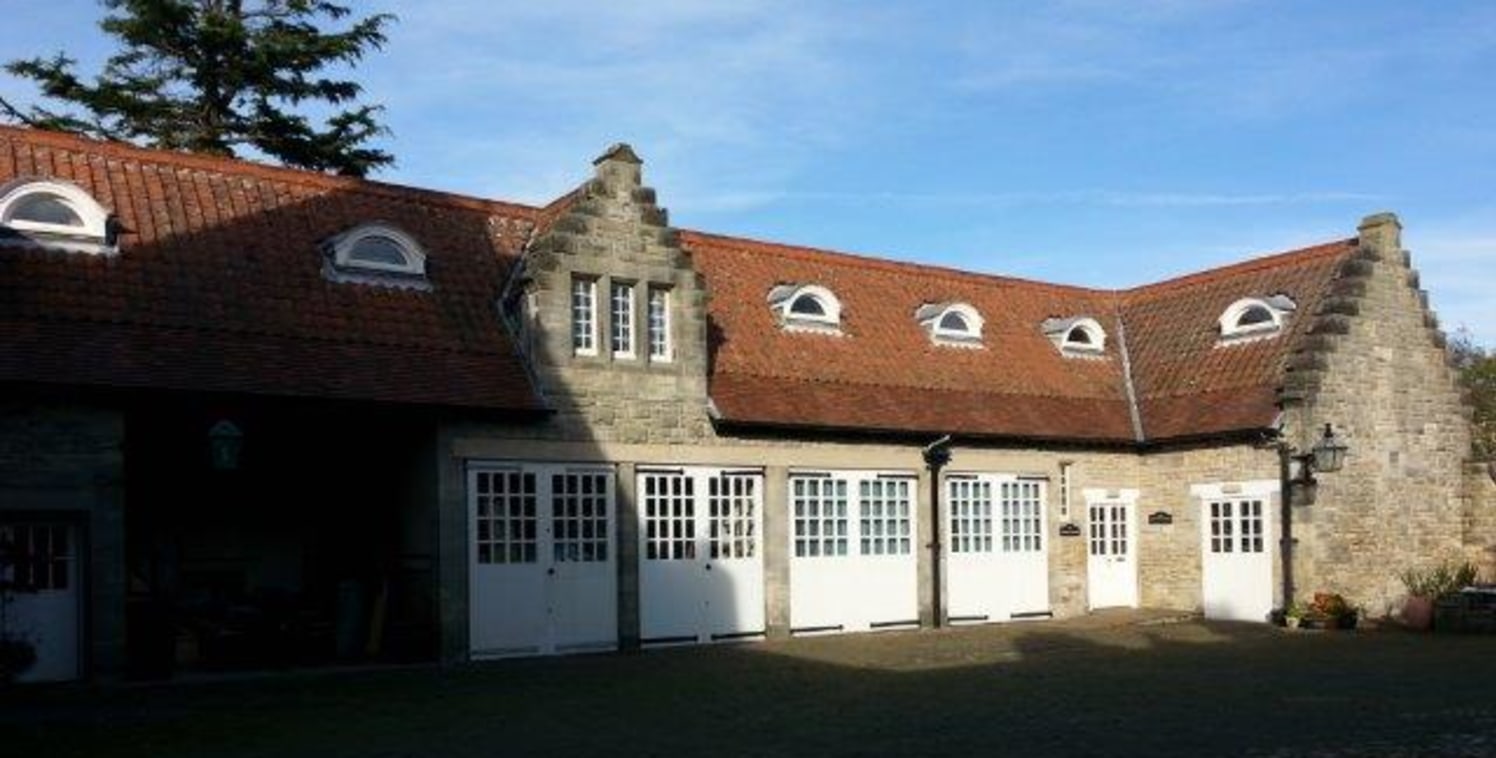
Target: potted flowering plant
column 1329, row 610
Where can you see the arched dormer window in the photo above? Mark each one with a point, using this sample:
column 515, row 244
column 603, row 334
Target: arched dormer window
column 1254, row 318
column 1076, row 337
column 806, row 307
column 51, row 213
column 955, row 324
column 377, row 253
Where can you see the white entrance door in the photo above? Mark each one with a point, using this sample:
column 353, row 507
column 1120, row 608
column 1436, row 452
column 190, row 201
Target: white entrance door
column 1111, row 556
column 701, row 572
column 1237, row 566
column 998, row 565
column 852, row 562
column 45, row 610
column 543, row 567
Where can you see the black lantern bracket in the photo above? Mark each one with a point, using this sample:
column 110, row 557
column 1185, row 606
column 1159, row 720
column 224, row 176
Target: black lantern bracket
column 1326, row 456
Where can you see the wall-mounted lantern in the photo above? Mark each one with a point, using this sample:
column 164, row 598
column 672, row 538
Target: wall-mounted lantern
column 225, row 443
column 1326, row 456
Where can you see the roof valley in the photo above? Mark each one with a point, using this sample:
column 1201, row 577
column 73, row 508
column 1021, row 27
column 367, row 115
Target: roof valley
column 1128, row 385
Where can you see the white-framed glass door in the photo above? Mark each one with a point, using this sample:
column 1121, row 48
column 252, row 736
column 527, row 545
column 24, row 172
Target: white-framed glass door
column 543, row 563
column 701, row 569
column 998, row 561
column 852, row 559
column 46, row 610
column 1111, row 552
column 1236, row 557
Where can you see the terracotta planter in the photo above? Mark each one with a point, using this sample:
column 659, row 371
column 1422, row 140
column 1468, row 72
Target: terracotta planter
column 1418, row 612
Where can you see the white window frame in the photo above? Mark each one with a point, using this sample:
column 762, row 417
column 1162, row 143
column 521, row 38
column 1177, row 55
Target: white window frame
column 782, row 300
column 932, row 315
column 91, row 238
column 874, row 516
column 1062, row 333
column 343, row 245
column 1233, row 332
column 583, row 316
column 658, row 325
column 621, row 319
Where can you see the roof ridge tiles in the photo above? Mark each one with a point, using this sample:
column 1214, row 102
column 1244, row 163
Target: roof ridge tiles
column 243, row 167
column 1125, row 295
column 1297, row 256
column 884, row 264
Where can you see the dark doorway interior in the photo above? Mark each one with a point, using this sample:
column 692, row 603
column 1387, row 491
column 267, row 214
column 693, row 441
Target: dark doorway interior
column 266, row 535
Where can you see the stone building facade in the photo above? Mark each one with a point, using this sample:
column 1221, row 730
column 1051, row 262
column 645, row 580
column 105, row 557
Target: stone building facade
column 576, row 427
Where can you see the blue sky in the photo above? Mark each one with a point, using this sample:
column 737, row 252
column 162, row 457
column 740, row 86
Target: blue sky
column 1081, row 141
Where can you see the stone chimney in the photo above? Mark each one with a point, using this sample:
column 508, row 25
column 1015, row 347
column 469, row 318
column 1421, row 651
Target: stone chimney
column 619, row 170
column 1381, row 232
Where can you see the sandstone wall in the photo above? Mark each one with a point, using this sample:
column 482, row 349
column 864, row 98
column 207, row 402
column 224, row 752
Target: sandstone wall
column 1377, row 370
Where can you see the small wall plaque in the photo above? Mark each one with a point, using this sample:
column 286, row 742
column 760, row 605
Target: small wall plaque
column 1160, row 518
column 1070, row 530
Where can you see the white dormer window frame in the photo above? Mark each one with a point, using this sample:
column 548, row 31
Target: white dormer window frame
column 1076, row 337
column 1254, row 318
column 806, row 307
column 91, row 233
column 953, row 324
column 344, row 250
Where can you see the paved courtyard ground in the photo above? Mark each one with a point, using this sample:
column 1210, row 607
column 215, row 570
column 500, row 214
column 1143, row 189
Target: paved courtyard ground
column 1112, row 684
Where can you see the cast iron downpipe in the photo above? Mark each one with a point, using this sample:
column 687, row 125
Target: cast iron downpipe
column 937, row 454
column 1285, row 499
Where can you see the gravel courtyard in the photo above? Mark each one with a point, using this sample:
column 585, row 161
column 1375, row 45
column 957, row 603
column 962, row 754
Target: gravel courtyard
column 1110, row 684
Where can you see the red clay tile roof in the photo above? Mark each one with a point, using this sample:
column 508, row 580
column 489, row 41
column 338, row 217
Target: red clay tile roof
column 884, row 373
column 220, row 287
column 219, row 284
column 1187, row 383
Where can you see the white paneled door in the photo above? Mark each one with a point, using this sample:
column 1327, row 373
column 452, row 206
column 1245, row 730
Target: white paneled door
column 543, row 562
column 1236, row 558
column 701, row 565
column 1111, row 553
column 998, row 563
column 852, row 542
column 45, row 611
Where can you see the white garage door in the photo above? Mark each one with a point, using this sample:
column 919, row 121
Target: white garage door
column 46, row 612
column 998, row 564
column 852, row 561
column 544, row 577
column 701, row 569
column 1237, row 566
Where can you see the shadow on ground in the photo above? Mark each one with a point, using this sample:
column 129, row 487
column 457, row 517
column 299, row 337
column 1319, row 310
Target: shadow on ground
column 1097, row 686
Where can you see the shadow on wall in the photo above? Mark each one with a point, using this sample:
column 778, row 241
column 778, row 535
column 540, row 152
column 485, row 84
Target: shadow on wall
column 317, row 539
